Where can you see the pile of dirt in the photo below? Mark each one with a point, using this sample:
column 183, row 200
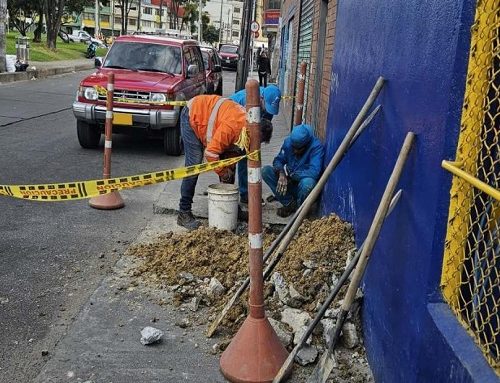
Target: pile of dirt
column 320, row 247
column 202, row 269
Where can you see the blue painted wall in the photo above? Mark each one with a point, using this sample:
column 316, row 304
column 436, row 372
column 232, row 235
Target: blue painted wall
column 421, row 48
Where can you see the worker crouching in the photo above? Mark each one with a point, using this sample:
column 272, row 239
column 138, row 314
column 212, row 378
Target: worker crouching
column 296, row 169
column 211, row 127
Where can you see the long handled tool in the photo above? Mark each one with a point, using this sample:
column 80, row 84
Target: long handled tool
column 285, row 368
column 292, row 226
column 246, row 282
column 326, row 364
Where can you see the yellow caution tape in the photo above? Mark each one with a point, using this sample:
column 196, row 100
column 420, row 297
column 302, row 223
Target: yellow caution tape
column 102, row 91
column 286, row 97
column 89, row 189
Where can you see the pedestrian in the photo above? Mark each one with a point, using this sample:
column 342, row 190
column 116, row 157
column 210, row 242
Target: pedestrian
column 210, row 126
column 296, row 169
column 263, row 68
column 270, row 97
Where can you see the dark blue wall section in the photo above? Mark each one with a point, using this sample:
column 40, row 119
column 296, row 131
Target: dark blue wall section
column 421, row 48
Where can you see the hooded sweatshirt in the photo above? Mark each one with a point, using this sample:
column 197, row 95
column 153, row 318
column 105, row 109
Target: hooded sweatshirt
column 307, row 165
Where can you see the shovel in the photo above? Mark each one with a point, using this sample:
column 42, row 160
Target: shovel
column 327, row 362
column 285, row 368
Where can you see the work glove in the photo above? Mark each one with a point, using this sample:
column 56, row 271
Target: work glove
column 227, row 175
column 282, row 184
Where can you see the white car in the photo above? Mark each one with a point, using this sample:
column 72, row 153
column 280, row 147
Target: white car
column 84, row 36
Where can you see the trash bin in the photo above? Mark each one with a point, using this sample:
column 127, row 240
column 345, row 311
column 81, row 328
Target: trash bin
column 23, row 49
column 22, row 53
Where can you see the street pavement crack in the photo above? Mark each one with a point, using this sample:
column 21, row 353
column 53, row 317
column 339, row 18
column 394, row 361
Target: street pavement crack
column 35, row 117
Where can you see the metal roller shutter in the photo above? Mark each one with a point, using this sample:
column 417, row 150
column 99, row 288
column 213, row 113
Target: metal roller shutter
column 305, row 41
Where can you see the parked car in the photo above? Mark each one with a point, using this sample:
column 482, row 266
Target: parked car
column 149, row 70
column 229, row 55
column 213, row 70
column 84, row 36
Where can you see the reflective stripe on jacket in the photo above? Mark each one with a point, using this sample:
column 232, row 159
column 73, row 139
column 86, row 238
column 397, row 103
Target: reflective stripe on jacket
column 230, row 120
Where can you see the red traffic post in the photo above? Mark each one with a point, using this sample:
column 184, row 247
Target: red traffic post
column 113, row 200
column 255, row 354
column 301, row 84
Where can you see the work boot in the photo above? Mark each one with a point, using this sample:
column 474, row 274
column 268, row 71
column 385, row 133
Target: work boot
column 187, row 220
column 287, row 210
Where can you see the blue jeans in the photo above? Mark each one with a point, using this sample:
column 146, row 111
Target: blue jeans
column 243, row 178
column 193, row 150
column 296, row 191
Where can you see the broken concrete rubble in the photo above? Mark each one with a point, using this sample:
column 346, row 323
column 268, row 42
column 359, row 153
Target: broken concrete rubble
column 284, row 335
column 215, row 288
column 349, row 335
column 295, row 318
column 306, row 355
column 150, row 335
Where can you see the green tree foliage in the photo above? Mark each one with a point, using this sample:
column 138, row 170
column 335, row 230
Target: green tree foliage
column 210, row 34
column 23, row 14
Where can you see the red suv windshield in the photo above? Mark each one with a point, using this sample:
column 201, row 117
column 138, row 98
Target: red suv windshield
column 229, row 49
column 146, row 57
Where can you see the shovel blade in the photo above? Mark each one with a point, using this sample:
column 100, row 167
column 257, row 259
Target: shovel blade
column 323, row 368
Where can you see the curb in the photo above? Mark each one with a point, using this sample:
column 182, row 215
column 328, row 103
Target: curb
column 37, row 74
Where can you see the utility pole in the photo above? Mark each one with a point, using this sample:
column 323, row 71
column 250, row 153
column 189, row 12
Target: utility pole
column 200, row 25
column 243, row 63
column 229, row 26
column 220, row 23
column 112, row 18
column 96, row 19
column 139, row 16
column 3, row 19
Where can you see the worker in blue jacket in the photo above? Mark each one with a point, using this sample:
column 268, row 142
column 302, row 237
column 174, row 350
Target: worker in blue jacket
column 270, row 106
column 296, row 169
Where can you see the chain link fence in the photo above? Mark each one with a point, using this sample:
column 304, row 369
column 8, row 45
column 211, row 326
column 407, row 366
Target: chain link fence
column 471, row 266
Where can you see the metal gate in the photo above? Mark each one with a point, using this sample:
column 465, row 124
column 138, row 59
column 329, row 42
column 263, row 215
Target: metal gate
column 471, row 265
column 305, row 42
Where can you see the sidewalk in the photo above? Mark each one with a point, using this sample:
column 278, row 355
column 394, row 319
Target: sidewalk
column 103, row 344
column 43, row 69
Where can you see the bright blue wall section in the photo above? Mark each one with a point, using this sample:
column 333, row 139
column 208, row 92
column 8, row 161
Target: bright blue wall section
column 421, row 48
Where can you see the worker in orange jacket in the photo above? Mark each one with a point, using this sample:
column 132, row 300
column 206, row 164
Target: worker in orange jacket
column 210, row 127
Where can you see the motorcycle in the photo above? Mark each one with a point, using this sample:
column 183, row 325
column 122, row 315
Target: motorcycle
column 91, row 50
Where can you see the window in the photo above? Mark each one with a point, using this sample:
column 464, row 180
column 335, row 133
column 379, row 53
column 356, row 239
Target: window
column 274, row 4
column 147, row 57
column 88, row 16
column 206, row 59
column 132, row 22
column 236, row 22
column 148, row 11
column 237, row 10
column 105, row 18
column 118, row 20
column 236, row 34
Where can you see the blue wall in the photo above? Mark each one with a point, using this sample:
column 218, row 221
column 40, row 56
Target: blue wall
column 421, row 48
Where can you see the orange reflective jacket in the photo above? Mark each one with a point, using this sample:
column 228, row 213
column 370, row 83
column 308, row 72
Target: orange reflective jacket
column 230, row 120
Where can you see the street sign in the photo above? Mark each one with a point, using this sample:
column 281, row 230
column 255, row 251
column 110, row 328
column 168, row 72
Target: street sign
column 254, row 27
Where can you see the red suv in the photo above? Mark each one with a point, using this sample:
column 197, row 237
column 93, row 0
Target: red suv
column 229, row 55
column 213, row 68
column 148, row 70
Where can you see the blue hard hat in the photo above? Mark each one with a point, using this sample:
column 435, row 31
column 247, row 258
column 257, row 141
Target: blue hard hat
column 301, row 135
column 272, row 97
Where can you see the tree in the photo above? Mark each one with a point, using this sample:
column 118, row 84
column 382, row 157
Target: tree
column 3, row 19
column 210, row 34
column 125, row 7
column 23, row 14
column 54, row 10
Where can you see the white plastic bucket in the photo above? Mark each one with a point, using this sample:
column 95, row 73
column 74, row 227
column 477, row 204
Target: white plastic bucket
column 223, row 206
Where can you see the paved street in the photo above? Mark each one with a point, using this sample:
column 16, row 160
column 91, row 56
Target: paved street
column 54, row 255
